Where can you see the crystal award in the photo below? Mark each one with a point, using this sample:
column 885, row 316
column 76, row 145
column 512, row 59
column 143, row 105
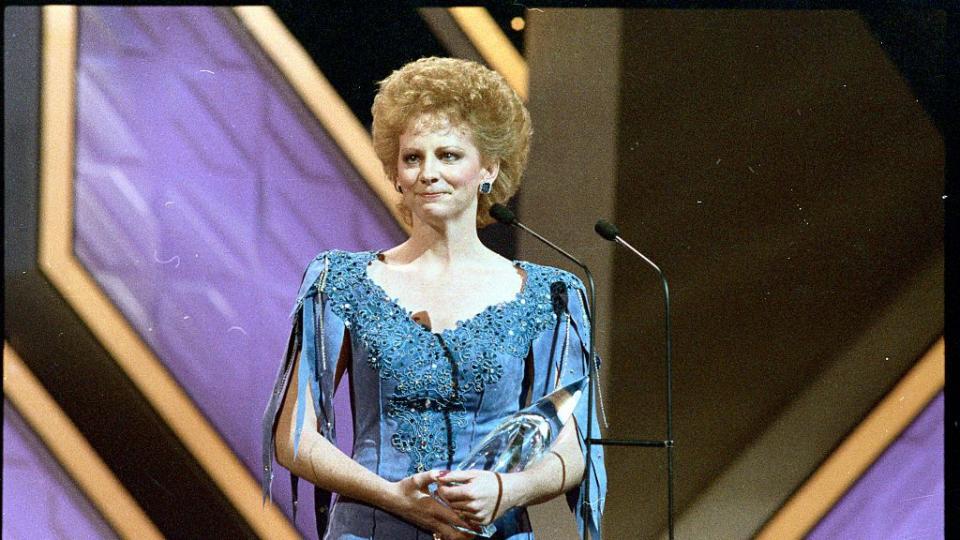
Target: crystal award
column 522, row 438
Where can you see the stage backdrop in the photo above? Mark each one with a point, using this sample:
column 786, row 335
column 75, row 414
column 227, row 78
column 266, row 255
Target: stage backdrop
column 39, row 499
column 203, row 188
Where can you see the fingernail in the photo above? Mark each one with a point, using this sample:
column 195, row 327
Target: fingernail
column 442, row 474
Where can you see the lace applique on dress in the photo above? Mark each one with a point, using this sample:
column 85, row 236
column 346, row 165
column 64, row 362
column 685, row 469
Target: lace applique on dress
column 434, row 372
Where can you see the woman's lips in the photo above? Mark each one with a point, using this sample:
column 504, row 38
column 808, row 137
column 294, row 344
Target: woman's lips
column 431, row 196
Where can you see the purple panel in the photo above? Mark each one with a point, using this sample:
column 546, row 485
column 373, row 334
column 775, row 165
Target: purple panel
column 39, row 499
column 203, row 189
column 901, row 494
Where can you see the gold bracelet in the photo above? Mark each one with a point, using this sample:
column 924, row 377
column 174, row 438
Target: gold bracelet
column 499, row 496
column 313, row 465
column 563, row 470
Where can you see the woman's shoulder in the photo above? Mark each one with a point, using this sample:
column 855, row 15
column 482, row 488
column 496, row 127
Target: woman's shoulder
column 549, row 274
column 336, row 266
column 341, row 258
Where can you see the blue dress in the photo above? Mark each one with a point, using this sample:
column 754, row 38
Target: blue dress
column 424, row 399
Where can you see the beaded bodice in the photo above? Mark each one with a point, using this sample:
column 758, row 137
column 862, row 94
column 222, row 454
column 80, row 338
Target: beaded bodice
column 435, row 386
column 421, row 399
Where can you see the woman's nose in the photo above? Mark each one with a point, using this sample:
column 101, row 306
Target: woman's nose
column 429, row 174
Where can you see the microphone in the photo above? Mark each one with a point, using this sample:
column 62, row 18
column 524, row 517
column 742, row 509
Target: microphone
column 607, row 230
column 506, row 216
column 610, row 232
column 503, row 214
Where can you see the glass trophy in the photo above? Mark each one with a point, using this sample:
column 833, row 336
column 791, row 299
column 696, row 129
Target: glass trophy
column 522, row 438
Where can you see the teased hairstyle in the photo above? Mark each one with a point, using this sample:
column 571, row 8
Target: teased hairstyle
column 466, row 93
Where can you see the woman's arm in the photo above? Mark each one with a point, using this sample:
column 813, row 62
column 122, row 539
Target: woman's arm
column 476, row 493
column 553, row 474
column 322, row 463
column 560, row 357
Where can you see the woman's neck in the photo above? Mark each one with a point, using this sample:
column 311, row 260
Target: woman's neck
column 445, row 244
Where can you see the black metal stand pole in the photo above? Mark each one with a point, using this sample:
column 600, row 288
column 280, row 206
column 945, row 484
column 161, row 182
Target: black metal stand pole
column 504, row 215
column 609, row 232
column 668, row 361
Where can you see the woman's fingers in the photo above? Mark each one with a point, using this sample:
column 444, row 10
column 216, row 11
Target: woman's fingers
column 449, row 516
column 447, row 477
column 442, row 520
column 458, row 485
column 469, row 507
column 421, row 508
column 423, row 479
column 475, row 495
column 481, row 486
column 456, row 493
column 446, row 530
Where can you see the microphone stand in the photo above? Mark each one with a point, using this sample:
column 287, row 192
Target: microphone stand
column 609, row 232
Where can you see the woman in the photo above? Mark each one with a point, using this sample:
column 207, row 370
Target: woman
column 442, row 337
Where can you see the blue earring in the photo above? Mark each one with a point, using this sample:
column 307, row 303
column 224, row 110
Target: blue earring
column 486, row 187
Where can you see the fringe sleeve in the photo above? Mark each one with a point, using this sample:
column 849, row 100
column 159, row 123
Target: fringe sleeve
column 317, row 336
column 561, row 356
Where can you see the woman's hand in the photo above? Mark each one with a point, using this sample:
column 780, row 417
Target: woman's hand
column 478, row 496
column 411, row 500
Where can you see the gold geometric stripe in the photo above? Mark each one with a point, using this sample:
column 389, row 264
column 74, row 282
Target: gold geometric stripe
column 494, row 46
column 72, row 450
column 321, row 98
column 58, row 263
column 860, row 449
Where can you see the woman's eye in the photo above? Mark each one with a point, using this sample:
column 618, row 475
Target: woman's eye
column 411, row 158
column 449, row 156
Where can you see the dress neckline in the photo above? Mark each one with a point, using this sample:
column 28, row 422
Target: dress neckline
column 380, row 292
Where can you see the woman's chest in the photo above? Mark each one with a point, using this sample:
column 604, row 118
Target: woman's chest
column 443, row 301
column 412, row 361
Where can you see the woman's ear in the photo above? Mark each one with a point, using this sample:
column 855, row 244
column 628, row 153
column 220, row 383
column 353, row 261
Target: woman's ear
column 491, row 171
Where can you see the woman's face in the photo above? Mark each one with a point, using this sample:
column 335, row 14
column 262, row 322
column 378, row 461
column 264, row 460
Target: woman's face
column 440, row 169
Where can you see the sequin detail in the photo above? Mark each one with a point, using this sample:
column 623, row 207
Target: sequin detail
column 434, row 373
